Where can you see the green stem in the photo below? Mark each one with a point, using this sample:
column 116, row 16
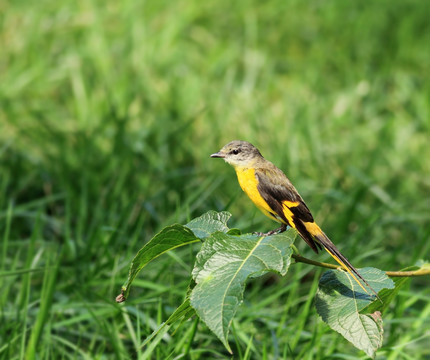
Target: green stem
column 413, row 273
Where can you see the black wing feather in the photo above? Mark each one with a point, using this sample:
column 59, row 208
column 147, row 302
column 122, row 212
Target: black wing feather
column 274, row 187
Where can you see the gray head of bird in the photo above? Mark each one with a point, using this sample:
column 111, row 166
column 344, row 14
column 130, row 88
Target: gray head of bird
column 238, row 153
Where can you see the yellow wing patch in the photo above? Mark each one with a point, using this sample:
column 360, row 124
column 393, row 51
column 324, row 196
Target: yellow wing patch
column 313, row 228
column 290, row 203
column 288, row 214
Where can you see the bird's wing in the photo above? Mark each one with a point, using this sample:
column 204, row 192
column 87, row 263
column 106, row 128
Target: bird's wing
column 282, row 197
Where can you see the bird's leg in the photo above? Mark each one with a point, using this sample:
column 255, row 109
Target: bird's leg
column 276, row 231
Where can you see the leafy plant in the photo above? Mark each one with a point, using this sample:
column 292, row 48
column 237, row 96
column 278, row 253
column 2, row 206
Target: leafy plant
column 227, row 259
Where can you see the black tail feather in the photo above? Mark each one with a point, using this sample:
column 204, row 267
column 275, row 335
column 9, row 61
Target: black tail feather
column 339, row 257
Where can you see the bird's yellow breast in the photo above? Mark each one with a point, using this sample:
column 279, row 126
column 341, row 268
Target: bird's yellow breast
column 248, row 182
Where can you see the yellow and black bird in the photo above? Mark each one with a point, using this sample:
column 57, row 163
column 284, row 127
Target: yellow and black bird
column 274, row 194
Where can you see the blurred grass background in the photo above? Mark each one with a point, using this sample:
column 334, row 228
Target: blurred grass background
column 108, row 114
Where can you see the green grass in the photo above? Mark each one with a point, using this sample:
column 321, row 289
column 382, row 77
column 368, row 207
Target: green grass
column 108, row 113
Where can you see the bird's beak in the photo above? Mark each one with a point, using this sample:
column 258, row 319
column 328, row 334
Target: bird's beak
column 218, row 155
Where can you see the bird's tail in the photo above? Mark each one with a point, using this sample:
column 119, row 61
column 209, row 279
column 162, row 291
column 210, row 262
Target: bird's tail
column 323, row 240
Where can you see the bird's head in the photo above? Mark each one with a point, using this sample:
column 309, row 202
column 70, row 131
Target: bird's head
column 238, row 153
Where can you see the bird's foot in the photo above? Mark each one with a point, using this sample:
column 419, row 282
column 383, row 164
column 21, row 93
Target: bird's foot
column 276, row 231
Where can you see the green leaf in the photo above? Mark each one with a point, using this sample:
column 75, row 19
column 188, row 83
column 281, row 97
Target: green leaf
column 222, row 267
column 234, row 232
column 171, row 237
column 388, row 295
column 209, row 223
column 339, row 300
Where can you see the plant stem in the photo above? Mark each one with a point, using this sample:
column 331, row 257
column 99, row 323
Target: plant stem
column 419, row 272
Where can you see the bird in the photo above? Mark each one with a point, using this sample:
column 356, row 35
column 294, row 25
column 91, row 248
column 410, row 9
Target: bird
column 274, row 194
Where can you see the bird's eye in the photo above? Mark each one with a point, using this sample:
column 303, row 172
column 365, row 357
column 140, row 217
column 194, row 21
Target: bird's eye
column 235, row 152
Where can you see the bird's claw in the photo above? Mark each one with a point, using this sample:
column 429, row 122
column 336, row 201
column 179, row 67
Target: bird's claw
column 272, row 232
